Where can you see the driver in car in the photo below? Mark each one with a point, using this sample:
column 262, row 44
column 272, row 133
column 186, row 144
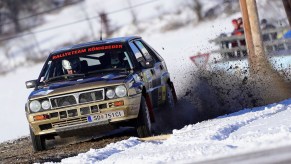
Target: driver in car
column 70, row 67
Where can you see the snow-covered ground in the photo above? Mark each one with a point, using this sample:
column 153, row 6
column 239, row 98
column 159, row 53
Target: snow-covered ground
column 13, row 98
column 244, row 131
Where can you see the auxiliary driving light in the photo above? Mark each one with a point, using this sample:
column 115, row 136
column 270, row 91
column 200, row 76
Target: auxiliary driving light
column 110, row 93
column 45, row 105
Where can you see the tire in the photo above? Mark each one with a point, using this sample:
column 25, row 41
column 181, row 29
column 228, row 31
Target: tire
column 171, row 98
column 144, row 127
column 38, row 142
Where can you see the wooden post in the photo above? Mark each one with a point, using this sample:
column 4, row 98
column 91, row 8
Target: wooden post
column 287, row 6
column 271, row 86
column 247, row 32
column 256, row 52
column 258, row 58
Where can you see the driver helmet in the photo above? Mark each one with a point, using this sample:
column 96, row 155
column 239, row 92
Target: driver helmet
column 115, row 59
column 66, row 65
column 72, row 64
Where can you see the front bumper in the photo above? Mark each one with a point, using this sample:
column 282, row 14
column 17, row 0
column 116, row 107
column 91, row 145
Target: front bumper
column 76, row 118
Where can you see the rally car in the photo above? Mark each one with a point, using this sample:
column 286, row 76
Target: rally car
column 91, row 88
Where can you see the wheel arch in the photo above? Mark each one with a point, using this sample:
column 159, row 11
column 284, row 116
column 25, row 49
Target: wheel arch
column 146, row 95
column 171, row 84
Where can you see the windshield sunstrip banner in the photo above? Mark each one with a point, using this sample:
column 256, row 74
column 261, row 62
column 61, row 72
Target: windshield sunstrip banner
column 85, row 50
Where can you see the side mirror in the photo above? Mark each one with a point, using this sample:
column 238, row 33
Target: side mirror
column 147, row 64
column 30, row 84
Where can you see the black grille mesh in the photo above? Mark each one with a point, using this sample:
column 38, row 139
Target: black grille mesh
column 63, row 101
column 90, row 96
column 69, row 100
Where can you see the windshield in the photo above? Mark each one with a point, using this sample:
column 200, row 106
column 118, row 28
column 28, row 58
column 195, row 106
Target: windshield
column 72, row 65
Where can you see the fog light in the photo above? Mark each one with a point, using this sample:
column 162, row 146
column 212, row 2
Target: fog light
column 41, row 117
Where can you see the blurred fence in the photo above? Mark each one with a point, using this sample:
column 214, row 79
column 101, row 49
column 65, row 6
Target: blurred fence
column 276, row 42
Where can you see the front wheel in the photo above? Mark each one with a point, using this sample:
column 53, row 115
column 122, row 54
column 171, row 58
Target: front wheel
column 143, row 127
column 38, row 141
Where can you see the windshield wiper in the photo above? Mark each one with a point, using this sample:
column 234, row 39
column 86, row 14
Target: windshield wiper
column 108, row 70
column 68, row 76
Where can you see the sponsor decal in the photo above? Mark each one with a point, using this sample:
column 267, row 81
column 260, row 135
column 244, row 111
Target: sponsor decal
column 85, row 50
column 110, row 76
column 69, row 53
column 136, row 78
column 43, row 92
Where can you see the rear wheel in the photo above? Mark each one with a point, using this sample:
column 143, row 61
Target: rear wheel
column 38, row 142
column 143, row 128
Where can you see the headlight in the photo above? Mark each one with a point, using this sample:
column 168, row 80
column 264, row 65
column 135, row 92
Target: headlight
column 120, row 91
column 110, row 93
column 34, row 106
column 45, row 105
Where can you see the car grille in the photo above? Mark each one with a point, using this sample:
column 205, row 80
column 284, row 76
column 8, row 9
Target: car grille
column 69, row 122
column 77, row 98
column 63, row 101
column 90, row 96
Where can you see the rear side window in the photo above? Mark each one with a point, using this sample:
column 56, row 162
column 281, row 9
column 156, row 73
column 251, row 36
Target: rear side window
column 145, row 52
column 138, row 55
column 153, row 52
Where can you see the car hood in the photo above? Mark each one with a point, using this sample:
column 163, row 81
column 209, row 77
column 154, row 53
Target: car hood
column 76, row 85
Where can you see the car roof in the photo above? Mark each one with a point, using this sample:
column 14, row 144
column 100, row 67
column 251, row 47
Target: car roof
column 98, row 42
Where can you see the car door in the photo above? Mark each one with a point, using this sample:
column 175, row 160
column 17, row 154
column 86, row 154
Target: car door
column 161, row 71
column 154, row 73
column 146, row 73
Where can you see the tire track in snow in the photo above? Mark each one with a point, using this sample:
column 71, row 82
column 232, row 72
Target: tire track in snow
column 224, row 132
column 222, row 127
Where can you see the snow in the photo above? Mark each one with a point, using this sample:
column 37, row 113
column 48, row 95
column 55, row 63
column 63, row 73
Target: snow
column 245, row 131
column 13, row 98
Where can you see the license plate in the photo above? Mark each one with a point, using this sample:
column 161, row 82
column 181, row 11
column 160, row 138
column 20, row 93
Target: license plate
column 105, row 116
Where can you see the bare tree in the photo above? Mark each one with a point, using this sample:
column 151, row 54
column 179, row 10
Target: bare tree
column 133, row 14
column 13, row 12
column 88, row 20
column 13, row 6
column 197, row 8
column 1, row 20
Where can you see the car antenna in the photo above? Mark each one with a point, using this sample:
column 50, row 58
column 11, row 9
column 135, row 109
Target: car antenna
column 101, row 28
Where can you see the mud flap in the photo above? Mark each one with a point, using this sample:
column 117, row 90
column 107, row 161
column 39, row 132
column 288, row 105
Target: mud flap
column 173, row 92
column 150, row 108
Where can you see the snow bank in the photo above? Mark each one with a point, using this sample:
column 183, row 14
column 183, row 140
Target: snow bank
column 13, row 98
column 244, row 131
